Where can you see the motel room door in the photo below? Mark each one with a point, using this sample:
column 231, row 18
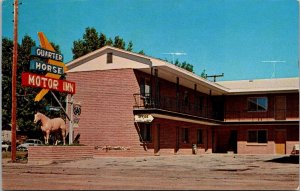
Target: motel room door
column 156, row 139
column 280, row 141
column 280, row 108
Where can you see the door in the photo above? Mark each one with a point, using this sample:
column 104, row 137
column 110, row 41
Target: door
column 233, row 141
column 280, row 141
column 280, row 108
column 157, row 139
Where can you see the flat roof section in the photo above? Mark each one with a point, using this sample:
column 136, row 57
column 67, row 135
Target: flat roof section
column 276, row 85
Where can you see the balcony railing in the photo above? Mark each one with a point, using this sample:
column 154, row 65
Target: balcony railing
column 269, row 115
column 175, row 105
column 182, row 106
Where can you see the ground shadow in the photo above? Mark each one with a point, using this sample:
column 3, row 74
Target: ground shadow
column 286, row 159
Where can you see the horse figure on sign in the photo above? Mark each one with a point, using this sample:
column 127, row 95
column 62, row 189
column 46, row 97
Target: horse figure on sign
column 51, row 125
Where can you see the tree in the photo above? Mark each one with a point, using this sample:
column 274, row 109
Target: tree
column 91, row 41
column 109, row 42
column 203, row 74
column 119, row 43
column 184, row 65
column 102, row 40
column 26, row 107
column 129, row 46
column 141, row 52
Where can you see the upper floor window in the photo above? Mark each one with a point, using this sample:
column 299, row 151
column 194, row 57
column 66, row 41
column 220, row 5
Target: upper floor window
column 145, row 86
column 258, row 104
column 109, row 58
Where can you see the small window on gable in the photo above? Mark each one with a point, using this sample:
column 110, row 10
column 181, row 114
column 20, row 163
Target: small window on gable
column 109, row 58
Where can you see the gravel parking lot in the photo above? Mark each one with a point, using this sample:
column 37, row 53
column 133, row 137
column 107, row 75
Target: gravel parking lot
column 201, row 172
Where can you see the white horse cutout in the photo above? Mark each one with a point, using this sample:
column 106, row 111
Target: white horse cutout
column 50, row 125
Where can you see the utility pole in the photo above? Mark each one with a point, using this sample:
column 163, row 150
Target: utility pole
column 14, row 85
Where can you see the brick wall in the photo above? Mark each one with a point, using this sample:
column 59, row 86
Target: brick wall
column 236, row 107
column 107, row 103
column 168, row 130
column 49, row 154
column 243, row 147
column 107, row 118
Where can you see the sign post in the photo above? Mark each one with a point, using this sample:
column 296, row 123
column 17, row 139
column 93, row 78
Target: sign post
column 55, row 68
column 71, row 123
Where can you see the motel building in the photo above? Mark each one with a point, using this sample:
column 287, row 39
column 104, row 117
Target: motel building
column 140, row 105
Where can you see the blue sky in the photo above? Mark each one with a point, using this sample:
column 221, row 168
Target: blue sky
column 221, row 36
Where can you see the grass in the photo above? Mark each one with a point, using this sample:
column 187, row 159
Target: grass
column 19, row 154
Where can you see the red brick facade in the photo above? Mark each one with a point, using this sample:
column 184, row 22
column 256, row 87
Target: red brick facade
column 106, row 99
column 49, row 154
column 107, row 118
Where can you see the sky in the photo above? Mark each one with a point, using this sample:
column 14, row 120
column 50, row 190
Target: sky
column 244, row 39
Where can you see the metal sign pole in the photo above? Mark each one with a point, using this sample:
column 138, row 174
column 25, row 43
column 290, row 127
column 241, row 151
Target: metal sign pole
column 71, row 122
column 60, row 105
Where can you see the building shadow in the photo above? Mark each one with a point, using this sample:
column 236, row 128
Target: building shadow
column 286, row 159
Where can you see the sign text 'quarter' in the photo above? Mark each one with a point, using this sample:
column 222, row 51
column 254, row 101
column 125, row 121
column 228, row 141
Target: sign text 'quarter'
column 43, row 53
column 34, row 80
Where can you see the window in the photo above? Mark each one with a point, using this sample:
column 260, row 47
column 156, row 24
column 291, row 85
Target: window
column 199, row 136
column 109, row 58
column 258, row 104
column 145, row 130
column 257, row 136
column 145, row 87
column 185, row 135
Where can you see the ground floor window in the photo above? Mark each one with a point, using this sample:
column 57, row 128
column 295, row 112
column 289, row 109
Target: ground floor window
column 185, row 135
column 257, row 136
column 145, row 130
column 199, row 136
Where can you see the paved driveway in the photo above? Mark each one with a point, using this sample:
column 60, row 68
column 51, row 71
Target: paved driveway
column 209, row 171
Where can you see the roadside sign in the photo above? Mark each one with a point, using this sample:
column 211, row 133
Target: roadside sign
column 40, row 81
column 37, row 65
column 45, row 44
column 44, row 53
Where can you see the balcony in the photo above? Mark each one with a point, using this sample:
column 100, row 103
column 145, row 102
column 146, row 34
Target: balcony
column 147, row 102
column 179, row 106
column 269, row 115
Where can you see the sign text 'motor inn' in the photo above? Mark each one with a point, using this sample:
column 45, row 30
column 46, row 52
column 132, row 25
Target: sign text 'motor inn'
column 34, row 80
